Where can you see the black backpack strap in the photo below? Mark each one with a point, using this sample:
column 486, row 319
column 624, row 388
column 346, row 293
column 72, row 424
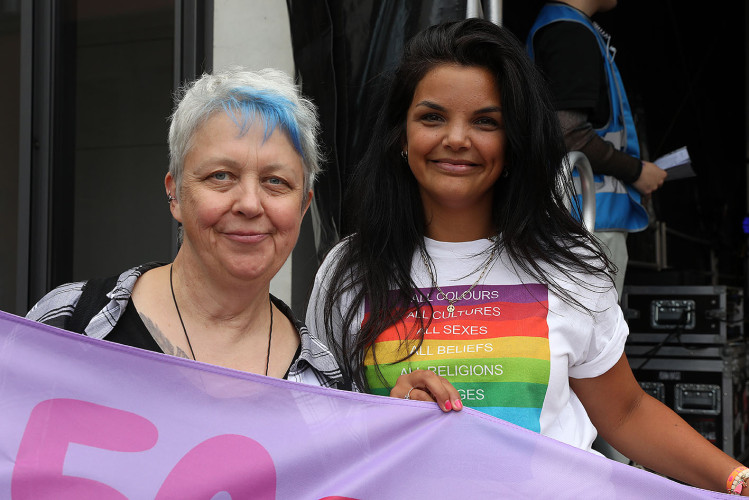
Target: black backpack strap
column 347, row 383
column 93, row 299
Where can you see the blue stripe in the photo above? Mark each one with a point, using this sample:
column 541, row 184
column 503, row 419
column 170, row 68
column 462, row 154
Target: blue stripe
column 618, row 211
column 530, row 418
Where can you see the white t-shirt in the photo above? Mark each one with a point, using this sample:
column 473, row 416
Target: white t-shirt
column 510, row 344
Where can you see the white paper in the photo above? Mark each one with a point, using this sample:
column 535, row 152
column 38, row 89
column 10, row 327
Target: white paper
column 677, row 163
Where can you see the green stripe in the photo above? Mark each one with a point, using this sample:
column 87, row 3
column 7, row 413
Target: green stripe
column 482, row 394
column 526, row 370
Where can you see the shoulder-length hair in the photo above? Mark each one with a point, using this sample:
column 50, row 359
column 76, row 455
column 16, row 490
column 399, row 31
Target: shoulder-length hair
column 537, row 231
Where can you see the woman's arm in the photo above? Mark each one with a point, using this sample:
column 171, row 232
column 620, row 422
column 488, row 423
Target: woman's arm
column 650, row 433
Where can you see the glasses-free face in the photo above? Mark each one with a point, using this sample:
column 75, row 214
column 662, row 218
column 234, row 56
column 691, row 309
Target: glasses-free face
column 455, row 139
column 241, row 200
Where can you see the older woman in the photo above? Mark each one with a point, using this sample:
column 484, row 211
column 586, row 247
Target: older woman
column 243, row 158
column 467, row 281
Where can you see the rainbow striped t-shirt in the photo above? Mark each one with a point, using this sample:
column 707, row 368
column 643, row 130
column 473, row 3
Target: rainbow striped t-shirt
column 494, row 348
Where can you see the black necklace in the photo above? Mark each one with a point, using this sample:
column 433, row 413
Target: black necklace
column 174, row 298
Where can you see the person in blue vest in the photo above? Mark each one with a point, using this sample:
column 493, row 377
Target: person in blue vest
column 577, row 58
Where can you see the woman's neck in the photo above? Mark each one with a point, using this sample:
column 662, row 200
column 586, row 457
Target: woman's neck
column 456, row 226
column 218, row 298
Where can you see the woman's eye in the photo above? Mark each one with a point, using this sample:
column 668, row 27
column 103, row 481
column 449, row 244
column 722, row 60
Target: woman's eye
column 487, row 123
column 431, row 117
column 276, row 181
column 220, row 176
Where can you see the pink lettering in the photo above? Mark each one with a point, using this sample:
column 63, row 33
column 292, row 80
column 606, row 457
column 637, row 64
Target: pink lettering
column 232, row 463
column 55, row 423
column 229, row 463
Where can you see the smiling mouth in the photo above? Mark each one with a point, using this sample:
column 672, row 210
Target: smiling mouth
column 454, row 166
column 450, row 161
column 246, row 237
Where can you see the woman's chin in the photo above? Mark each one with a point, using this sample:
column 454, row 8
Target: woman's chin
column 252, row 272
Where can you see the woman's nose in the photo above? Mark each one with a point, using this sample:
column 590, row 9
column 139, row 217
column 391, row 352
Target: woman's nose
column 248, row 200
column 456, row 137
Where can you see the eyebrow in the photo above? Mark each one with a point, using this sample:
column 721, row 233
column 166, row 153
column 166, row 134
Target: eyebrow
column 437, row 107
column 218, row 160
column 275, row 166
column 433, row 105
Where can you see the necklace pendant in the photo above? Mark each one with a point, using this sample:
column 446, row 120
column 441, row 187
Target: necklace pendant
column 450, row 308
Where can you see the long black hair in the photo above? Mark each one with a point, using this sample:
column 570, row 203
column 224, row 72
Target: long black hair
column 385, row 209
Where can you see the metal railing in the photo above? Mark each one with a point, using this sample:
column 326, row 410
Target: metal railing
column 490, row 10
column 577, row 160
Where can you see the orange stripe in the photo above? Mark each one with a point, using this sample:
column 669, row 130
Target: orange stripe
column 469, row 330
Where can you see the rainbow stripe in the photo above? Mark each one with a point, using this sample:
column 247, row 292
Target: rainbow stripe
column 494, row 348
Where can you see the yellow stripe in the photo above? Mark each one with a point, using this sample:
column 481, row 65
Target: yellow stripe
column 506, row 347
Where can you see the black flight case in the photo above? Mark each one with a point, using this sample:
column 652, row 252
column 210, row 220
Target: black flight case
column 687, row 348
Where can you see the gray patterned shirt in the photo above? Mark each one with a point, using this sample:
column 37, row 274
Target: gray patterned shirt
column 315, row 364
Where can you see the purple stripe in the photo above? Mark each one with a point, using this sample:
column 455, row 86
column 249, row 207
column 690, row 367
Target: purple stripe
column 483, row 294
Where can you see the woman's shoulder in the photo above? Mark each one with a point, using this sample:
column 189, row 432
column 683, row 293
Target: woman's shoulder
column 583, row 264
column 56, row 307
column 581, row 280
column 588, row 292
column 333, row 257
column 338, row 250
column 315, row 364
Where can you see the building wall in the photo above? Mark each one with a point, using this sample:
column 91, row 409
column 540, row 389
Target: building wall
column 254, row 34
column 123, row 83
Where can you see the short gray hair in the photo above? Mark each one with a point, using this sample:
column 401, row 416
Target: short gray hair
column 269, row 95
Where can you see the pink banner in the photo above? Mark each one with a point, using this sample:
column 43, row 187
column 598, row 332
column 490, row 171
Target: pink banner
column 82, row 418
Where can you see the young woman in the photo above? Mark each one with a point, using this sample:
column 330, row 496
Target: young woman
column 467, row 281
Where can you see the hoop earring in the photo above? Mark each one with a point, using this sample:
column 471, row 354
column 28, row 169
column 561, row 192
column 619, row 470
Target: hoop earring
column 404, row 155
column 506, row 172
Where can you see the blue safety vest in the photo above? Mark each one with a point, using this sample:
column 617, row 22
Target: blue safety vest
column 618, row 206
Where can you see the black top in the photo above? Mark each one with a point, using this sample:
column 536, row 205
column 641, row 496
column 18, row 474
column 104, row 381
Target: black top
column 569, row 56
column 130, row 330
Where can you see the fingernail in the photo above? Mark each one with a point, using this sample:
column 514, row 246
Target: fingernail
column 457, row 404
column 448, row 405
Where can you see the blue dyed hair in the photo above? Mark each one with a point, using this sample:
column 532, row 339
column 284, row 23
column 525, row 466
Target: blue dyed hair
column 246, row 104
column 246, row 96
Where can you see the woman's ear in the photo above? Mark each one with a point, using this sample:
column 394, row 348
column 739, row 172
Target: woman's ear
column 171, row 195
column 404, row 150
